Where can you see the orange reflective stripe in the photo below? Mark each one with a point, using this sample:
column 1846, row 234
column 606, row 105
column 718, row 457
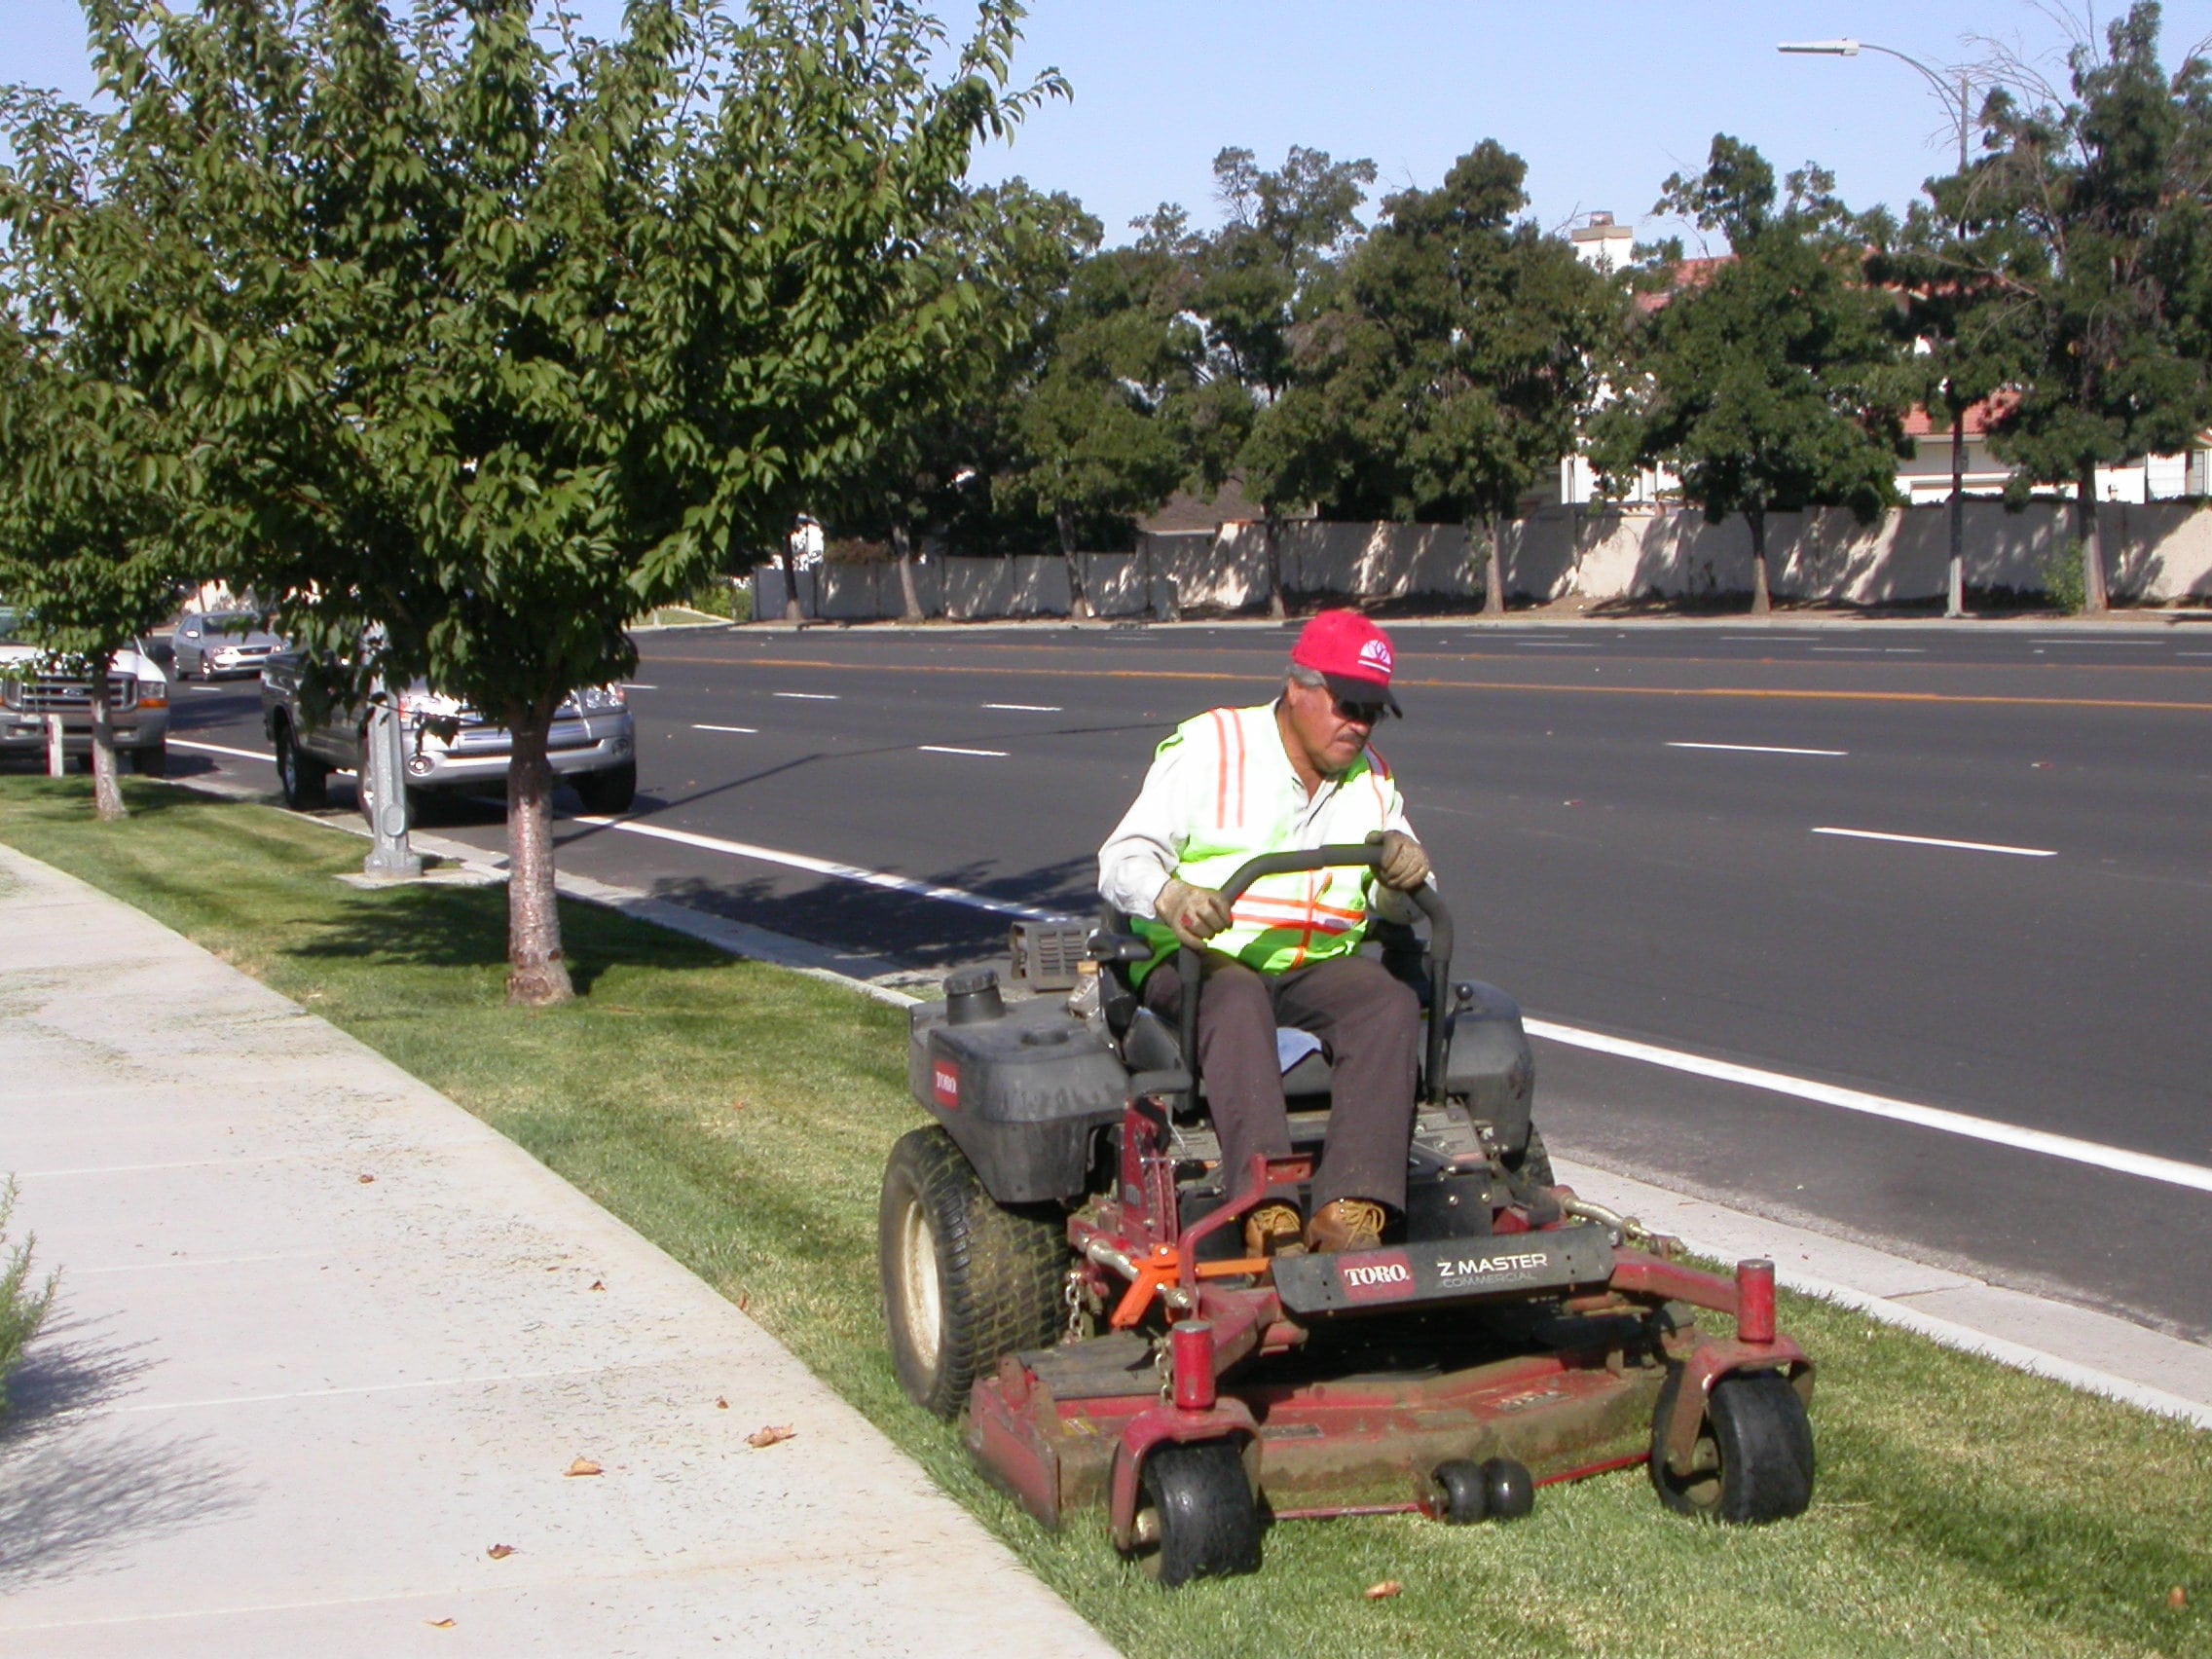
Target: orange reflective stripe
column 1221, row 778
column 1237, row 728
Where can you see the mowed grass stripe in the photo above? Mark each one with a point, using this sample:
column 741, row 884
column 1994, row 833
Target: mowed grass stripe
column 738, row 1117
column 1776, row 693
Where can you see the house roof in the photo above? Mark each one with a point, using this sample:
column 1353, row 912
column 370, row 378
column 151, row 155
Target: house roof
column 1920, row 423
column 1186, row 511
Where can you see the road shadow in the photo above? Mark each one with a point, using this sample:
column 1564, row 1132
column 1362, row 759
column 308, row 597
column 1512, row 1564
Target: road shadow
column 81, row 1486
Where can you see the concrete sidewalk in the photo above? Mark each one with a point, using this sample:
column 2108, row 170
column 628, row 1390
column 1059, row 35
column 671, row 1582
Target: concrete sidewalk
column 324, row 1341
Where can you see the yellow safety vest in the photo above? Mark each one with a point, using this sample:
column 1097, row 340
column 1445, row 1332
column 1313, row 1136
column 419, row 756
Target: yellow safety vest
column 1250, row 801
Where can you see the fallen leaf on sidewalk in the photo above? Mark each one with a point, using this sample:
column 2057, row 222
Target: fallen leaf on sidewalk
column 599, row 1284
column 1384, row 1591
column 439, row 1624
column 584, row 1466
column 366, row 1180
column 501, row 1552
column 770, row 1434
column 720, row 1404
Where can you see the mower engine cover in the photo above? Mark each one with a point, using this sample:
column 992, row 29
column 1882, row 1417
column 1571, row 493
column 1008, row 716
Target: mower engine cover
column 1489, row 1062
column 1021, row 1087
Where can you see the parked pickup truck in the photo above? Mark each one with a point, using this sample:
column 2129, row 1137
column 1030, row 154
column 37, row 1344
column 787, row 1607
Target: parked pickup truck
column 137, row 703
column 449, row 747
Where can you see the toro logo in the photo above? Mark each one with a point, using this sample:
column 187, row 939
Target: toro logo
column 1375, row 654
column 945, row 1083
column 1379, row 1277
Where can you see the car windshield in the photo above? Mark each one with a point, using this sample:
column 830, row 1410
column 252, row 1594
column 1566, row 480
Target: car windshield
column 232, row 622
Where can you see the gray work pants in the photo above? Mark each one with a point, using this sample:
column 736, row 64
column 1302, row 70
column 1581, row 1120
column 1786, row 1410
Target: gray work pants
column 1370, row 1028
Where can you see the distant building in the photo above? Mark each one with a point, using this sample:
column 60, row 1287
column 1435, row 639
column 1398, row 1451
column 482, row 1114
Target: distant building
column 1601, row 242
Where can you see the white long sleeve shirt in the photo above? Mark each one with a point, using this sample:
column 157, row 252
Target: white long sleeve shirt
column 1232, row 768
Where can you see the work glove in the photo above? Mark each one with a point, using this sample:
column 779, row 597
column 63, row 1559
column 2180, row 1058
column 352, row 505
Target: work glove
column 1194, row 914
column 1404, row 867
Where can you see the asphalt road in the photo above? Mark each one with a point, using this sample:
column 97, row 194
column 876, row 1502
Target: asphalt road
column 1641, row 830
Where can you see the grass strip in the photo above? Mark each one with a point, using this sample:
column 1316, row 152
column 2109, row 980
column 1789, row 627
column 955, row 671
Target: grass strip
column 738, row 1116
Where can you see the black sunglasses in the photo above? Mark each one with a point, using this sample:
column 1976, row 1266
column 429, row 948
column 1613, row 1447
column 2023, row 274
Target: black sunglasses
column 1361, row 714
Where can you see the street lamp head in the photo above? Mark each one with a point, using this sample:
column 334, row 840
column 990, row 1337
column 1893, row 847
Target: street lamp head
column 1822, row 48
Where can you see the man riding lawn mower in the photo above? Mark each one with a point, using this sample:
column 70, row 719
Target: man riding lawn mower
column 1255, row 1223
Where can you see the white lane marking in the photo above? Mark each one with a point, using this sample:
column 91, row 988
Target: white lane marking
column 1758, row 749
column 807, row 697
column 1557, row 645
column 219, row 749
column 1035, row 707
column 748, row 731
column 2153, row 643
column 2194, row 653
column 825, row 867
column 1769, row 639
column 1939, row 842
column 947, row 749
column 1850, row 650
column 1904, row 650
column 2171, row 1171
column 629, row 686
column 217, row 689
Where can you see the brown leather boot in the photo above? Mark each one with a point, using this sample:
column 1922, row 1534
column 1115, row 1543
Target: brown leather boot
column 1273, row 1230
column 1346, row 1224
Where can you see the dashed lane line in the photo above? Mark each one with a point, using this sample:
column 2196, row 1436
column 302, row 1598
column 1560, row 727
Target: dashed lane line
column 947, row 749
column 807, row 697
column 2173, row 1172
column 1939, row 842
column 1760, row 749
column 826, row 867
column 1028, row 708
column 219, row 749
column 1963, row 699
column 748, row 731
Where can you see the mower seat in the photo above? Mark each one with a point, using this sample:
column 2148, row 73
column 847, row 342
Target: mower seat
column 1151, row 1044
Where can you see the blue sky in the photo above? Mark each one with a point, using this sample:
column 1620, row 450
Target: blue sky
column 1602, row 100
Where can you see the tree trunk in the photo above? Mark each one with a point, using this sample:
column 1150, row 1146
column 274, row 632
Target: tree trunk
column 537, row 972
column 2091, row 523
column 791, row 611
column 107, row 795
column 1762, row 598
column 902, row 546
column 1493, row 570
column 1273, row 560
column 1078, row 604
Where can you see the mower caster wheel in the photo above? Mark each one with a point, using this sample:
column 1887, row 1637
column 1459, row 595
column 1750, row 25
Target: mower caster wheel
column 1510, row 1490
column 1196, row 1514
column 1754, row 1457
column 1466, row 1493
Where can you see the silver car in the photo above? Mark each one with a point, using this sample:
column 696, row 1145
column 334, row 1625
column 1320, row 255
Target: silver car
column 592, row 745
column 222, row 643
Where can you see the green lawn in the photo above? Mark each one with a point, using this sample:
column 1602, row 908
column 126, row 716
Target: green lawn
column 738, row 1116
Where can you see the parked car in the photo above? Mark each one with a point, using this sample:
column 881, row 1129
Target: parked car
column 593, row 743
column 137, row 701
column 222, row 643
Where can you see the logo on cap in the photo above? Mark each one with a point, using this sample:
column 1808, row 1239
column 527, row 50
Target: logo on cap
column 1377, row 653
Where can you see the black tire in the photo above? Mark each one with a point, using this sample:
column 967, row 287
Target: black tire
column 304, row 779
column 151, row 762
column 606, row 792
column 1196, row 1514
column 1753, row 1460
column 964, row 1280
column 1508, row 1488
column 1466, row 1495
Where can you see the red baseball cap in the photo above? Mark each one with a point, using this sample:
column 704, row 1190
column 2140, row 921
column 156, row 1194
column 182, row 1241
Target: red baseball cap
column 1351, row 653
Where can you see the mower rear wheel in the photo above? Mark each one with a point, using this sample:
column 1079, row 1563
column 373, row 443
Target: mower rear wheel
column 1754, row 1459
column 1196, row 1514
column 965, row 1279
column 1466, row 1493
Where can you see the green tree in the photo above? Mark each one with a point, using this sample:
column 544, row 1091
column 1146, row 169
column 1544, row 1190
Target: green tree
column 1773, row 383
column 491, row 344
column 1096, row 431
column 2088, row 259
column 91, row 448
column 1450, row 371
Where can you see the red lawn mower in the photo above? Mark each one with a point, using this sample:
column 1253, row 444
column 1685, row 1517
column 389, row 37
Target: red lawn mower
column 1062, row 1260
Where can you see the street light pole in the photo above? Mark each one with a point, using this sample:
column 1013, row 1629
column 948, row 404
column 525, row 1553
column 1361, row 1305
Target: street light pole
column 1956, row 600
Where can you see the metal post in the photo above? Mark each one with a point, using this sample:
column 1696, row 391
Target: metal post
column 384, row 760
column 56, row 761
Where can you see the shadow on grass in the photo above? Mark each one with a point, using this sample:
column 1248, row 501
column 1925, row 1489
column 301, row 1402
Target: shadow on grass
column 448, row 926
column 76, row 1483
